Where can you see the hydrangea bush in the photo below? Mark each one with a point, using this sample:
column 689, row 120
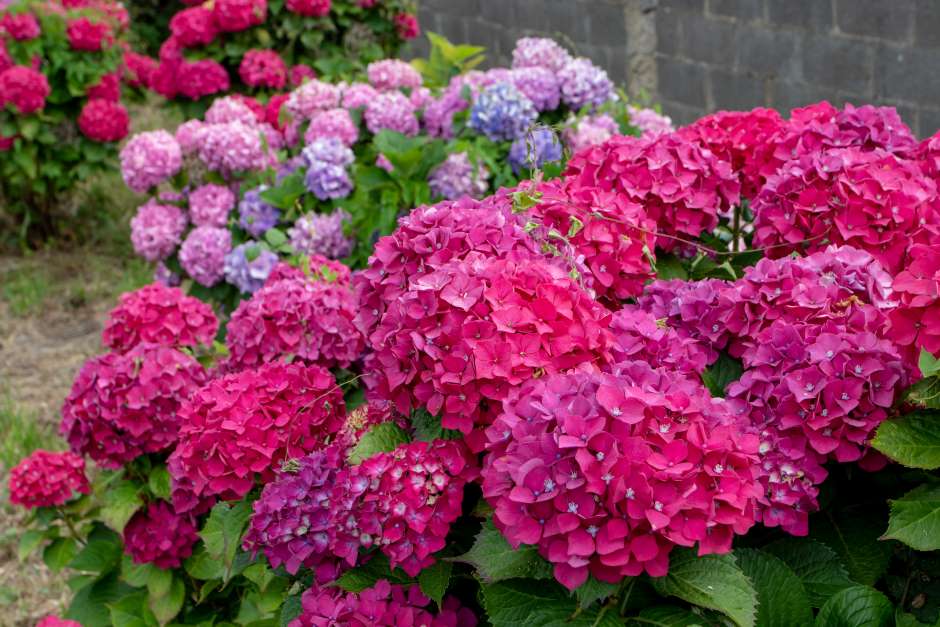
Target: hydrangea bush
column 328, row 167
column 606, row 398
column 61, row 115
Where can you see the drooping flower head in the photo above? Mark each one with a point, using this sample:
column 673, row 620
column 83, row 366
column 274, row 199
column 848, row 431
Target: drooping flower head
column 160, row 536
column 156, row 314
column 47, row 479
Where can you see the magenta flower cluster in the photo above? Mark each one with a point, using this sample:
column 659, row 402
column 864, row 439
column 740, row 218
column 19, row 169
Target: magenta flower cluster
column 47, row 479
column 160, row 536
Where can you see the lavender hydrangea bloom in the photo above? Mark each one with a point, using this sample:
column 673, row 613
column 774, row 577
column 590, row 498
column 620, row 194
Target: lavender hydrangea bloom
column 328, row 150
column 328, row 181
column 156, row 230
column 539, row 52
column 230, row 109
column 501, row 112
column 583, row 83
column 163, row 275
column 150, row 158
column 439, row 113
column 209, row 205
column 232, row 147
column 391, row 110
column 539, row 146
column 539, row 85
column 255, row 215
column 457, row 177
column 319, row 234
column 248, row 265
column 202, row 255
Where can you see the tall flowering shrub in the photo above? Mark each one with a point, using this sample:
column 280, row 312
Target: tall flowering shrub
column 61, row 115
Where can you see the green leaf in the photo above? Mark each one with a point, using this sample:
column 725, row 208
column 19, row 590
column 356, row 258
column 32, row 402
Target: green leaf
column 668, row 616
column 855, row 606
column 223, row 531
column 427, row 428
column 434, row 580
column 58, row 554
column 365, row 576
column 530, row 603
column 855, row 539
column 928, row 364
column 275, row 237
column 133, row 574
column 159, row 483
column 670, row 267
column 291, row 609
column 817, row 566
column 495, row 560
column 159, row 582
column 720, row 374
column 131, row 611
column 593, row 590
column 912, row 440
column 781, row 597
column 915, row 518
column 200, row 565
column 89, row 606
column 712, row 581
column 101, row 553
column 121, row 500
column 925, row 393
column 382, row 438
column 29, row 542
column 166, row 606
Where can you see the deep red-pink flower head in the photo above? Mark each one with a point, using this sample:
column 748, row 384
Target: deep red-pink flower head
column 24, row 88
column 140, row 69
column 87, row 35
column 160, row 536
column 263, row 68
column 157, row 314
column 47, row 479
column 406, row 24
column 194, row 26
column 125, row 405
column 915, row 324
column 201, row 78
column 20, row 26
column 232, row 16
column 238, row 428
column 55, row 621
column 104, row 121
column 108, row 88
column 309, row 8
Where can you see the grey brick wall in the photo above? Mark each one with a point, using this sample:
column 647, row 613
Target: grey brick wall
column 698, row 56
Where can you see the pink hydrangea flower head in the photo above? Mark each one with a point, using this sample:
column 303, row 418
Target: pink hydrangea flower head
column 358, row 95
column 389, row 74
column 745, row 139
column 391, row 110
column 149, row 159
column 189, row 135
column 123, row 405
column 138, row 68
column 406, row 25
column 638, row 336
column 870, row 200
column 914, row 324
column 539, row 52
column 103, row 121
column 25, row 88
column 332, row 123
column 88, row 35
column 538, row 84
column 306, row 321
column 263, row 68
column 318, row 234
column 210, row 204
column 439, row 113
column 156, row 230
column 680, row 185
column 456, row 176
column 232, row 16
column 20, row 26
column 159, row 535
column 55, row 621
column 233, row 148
column 239, row 427
column 202, row 254
column 650, row 122
column 47, row 479
column 301, row 73
column 230, row 109
column 606, row 473
column 309, row 8
column 584, row 84
column 157, row 314
column 108, row 88
column 590, row 130
column 201, row 78
column 194, row 27
column 312, row 97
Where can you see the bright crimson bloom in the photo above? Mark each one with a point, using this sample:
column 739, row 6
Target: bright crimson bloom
column 20, row 26
column 194, row 26
column 238, row 428
column 263, row 68
column 201, row 78
column 605, row 473
column 232, row 16
column 160, row 536
column 47, row 479
column 24, row 88
column 88, row 35
column 125, row 405
column 108, row 88
column 55, row 621
column 915, row 324
column 407, row 25
column 156, row 314
column 309, row 8
column 104, row 121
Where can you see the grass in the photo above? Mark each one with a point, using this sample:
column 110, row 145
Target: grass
column 23, row 433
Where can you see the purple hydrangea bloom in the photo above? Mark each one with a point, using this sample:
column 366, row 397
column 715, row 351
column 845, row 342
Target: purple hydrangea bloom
column 255, row 215
column 156, row 230
column 311, row 97
column 539, row 146
column 539, row 52
column 248, row 265
column 650, row 123
column 358, row 95
column 457, row 177
column 233, row 147
column 209, row 205
column 321, row 234
column 393, row 111
column 583, row 83
column 165, row 276
column 332, row 123
column 439, row 113
column 328, row 181
column 328, row 150
column 202, row 255
column 539, row 85
column 501, row 112
column 148, row 159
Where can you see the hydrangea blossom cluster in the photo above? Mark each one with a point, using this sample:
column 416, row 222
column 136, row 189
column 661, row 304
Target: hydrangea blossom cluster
column 681, row 186
column 539, row 52
column 305, row 320
column 382, row 605
column 248, row 266
column 870, row 200
column 391, row 74
column 234, row 147
column 238, row 428
column 326, row 160
column 312, row 97
column 651, row 123
column 103, row 120
column 156, row 314
column 25, row 88
column 332, row 123
column 321, row 234
column 149, row 159
column 156, row 230
column 584, row 84
column 391, row 110
column 591, row 130
column 915, row 324
column 123, row 405
column 534, row 149
column 203, row 253
column 209, row 205
column 255, row 215
column 47, row 479
column 540, row 85
column 263, row 68
column 606, row 473
column 502, row 113
column 639, row 336
column 160, row 536
column 457, row 177
column 55, row 621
